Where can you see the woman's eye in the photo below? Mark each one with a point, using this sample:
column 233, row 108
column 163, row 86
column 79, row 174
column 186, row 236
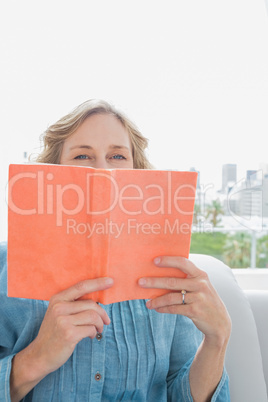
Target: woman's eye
column 81, row 157
column 118, row 157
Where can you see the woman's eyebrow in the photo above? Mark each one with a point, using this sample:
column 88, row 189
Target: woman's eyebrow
column 81, row 146
column 111, row 147
column 119, row 147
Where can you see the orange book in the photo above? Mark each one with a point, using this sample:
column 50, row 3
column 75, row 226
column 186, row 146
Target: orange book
column 70, row 223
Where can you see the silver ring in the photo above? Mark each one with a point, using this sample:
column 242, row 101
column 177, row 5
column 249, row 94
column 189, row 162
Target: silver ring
column 183, row 292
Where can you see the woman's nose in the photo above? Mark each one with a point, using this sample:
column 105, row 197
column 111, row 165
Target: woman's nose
column 101, row 163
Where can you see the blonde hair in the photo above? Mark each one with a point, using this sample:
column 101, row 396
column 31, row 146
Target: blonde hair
column 53, row 138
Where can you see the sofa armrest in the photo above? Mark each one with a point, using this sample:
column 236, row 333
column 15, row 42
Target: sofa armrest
column 259, row 305
column 243, row 358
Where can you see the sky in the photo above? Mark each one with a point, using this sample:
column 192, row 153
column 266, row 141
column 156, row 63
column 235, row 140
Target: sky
column 193, row 76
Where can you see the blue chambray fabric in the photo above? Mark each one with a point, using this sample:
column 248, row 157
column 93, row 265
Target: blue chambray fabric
column 142, row 355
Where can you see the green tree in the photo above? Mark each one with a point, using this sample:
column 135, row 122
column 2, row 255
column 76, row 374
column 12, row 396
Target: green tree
column 262, row 252
column 208, row 243
column 214, row 211
column 237, row 249
column 197, row 212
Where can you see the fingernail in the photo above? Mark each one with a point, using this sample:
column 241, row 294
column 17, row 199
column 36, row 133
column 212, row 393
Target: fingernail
column 148, row 304
column 142, row 281
column 109, row 281
column 157, row 260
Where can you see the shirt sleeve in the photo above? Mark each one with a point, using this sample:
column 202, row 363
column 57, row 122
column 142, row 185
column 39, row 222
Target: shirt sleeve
column 5, row 369
column 19, row 325
column 186, row 341
column 5, row 355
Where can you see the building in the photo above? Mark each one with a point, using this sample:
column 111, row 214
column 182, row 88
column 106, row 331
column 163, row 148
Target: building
column 265, row 196
column 192, row 169
column 249, row 198
column 229, row 176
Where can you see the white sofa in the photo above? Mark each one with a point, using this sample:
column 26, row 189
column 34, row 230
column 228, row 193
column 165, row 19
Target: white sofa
column 247, row 353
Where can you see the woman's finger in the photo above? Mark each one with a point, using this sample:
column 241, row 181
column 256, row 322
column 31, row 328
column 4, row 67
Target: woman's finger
column 85, row 318
column 171, row 299
column 82, row 288
column 169, row 283
column 182, row 263
column 176, row 309
column 70, row 308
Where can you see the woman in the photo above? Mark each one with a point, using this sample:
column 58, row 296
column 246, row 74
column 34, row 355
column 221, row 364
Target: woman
column 78, row 350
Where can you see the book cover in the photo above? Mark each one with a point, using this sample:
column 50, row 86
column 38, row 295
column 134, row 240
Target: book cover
column 70, row 223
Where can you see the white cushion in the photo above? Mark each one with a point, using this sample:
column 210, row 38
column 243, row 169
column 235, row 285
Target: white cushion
column 259, row 304
column 243, row 357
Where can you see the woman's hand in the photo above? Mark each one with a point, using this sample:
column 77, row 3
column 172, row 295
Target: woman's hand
column 66, row 322
column 204, row 306
column 202, row 303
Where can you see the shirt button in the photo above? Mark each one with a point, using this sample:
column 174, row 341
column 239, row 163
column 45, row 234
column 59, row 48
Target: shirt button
column 97, row 377
column 99, row 336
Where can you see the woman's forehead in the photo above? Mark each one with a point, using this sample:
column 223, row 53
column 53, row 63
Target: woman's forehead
column 100, row 129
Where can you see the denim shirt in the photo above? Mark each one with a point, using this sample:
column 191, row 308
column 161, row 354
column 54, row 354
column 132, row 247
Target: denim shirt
column 141, row 356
